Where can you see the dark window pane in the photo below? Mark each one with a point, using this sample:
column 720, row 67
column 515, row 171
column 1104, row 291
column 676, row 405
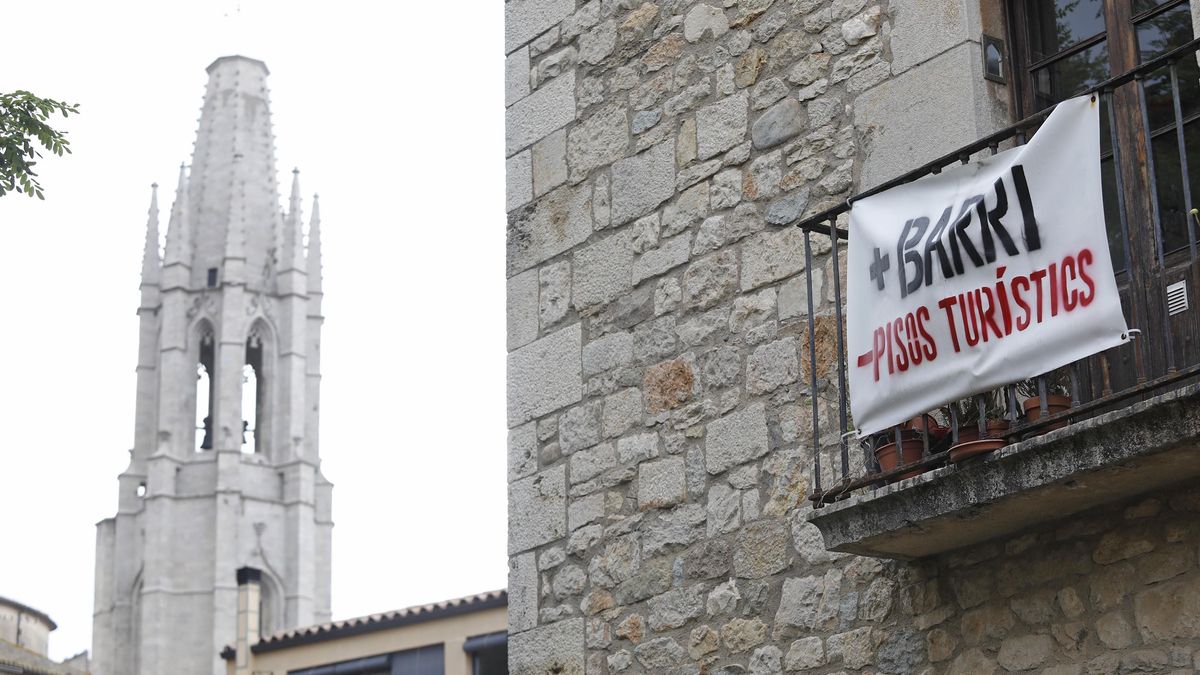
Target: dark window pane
column 491, row 661
column 1169, row 178
column 1163, row 32
column 1157, row 36
column 1058, row 24
column 423, row 661
column 1140, row 6
column 1112, row 216
column 1066, row 77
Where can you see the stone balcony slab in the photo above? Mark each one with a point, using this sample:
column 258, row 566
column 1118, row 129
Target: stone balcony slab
column 1119, row 454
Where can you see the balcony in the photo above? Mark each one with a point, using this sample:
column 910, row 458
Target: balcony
column 1116, row 424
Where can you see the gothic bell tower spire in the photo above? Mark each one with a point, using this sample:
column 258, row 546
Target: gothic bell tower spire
column 224, row 472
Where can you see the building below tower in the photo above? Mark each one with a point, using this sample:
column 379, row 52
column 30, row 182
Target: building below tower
column 463, row 636
column 25, row 642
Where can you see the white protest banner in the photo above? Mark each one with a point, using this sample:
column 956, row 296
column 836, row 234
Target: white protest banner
column 983, row 275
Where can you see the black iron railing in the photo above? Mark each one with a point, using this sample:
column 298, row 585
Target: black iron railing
column 1165, row 353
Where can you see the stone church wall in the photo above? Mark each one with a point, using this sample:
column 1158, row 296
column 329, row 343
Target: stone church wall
column 658, row 404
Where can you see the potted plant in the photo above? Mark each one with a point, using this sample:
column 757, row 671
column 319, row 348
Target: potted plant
column 1058, row 397
column 968, row 413
column 889, row 456
column 929, row 425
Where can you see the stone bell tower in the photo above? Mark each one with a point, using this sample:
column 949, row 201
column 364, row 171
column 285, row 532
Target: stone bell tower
column 225, row 467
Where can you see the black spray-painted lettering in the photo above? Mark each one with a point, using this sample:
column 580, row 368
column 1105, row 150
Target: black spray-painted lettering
column 972, row 238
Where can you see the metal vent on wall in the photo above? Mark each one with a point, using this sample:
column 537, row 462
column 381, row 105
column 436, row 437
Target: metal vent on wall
column 1177, row 298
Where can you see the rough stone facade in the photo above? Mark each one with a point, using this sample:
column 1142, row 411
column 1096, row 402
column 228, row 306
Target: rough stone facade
column 660, row 442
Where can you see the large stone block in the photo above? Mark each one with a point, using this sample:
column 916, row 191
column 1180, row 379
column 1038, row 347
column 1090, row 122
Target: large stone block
column 671, row 254
column 710, row 280
column 659, row 654
column 554, row 293
column 518, row 174
column 516, row 76
column 1026, row 652
column 526, row 19
column 522, row 451
column 522, row 592
column 579, row 427
column 642, row 182
column 669, row 384
column 661, row 483
column 1168, row 611
column 555, row 223
column 556, row 649
column 623, row 411
column 779, row 123
column 722, row 125
column 600, row 139
column 619, row 562
column 771, row 256
column 522, row 309
column 603, row 270
column 736, row 438
column 763, row 549
column 676, row 607
column 535, row 116
column 549, row 162
column 607, row 352
column 704, row 19
column 537, row 509
column 587, row 464
column 793, row 295
column 772, row 365
column 545, row 375
column 925, row 28
column 899, row 114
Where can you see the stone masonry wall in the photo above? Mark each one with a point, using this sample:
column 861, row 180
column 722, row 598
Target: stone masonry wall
column 660, row 436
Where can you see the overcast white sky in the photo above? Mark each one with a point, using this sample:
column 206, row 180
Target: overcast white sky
column 393, row 113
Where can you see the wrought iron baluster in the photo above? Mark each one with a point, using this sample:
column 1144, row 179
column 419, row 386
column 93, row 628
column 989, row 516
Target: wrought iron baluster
column 841, row 347
column 1183, row 164
column 1156, row 216
column 981, row 407
column 953, row 424
column 1043, row 408
column 899, row 446
column 812, row 360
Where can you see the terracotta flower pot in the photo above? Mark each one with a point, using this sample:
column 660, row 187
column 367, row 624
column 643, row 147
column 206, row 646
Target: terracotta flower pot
column 971, row 445
column 929, row 425
column 911, row 448
column 1054, row 403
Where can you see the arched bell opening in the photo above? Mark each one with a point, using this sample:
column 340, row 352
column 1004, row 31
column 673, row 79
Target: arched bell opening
column 256, row 390
column 204, row 397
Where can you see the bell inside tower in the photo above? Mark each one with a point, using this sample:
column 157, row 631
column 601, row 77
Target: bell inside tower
column 253, row 395
column 204, row 394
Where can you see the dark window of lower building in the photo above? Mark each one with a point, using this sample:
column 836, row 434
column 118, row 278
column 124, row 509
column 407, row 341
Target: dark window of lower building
column 489, row 653
column 423, row 661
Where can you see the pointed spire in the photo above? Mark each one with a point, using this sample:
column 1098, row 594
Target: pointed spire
column 314, row 247
column 294, row 199
column 234, row 184
column 179, row 243
column 151, row 265
column 293, row 234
